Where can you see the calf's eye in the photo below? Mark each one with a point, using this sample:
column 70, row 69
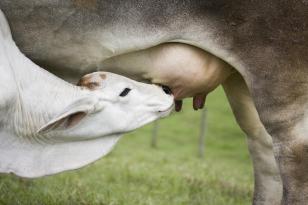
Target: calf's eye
column 125, row 92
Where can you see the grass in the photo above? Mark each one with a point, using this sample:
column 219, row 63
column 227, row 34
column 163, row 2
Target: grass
column 171, row 174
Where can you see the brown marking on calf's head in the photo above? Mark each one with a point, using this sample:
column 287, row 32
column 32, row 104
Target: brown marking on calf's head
column 85, row 4
column 103, row 76
column 91, row 81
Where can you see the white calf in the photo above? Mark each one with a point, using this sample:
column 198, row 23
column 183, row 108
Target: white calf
column 48, row 125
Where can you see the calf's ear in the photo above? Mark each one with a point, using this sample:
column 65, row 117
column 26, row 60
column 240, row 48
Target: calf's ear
column 72, row 115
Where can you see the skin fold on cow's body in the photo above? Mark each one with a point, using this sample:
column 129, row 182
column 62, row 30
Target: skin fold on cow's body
column 264, row 41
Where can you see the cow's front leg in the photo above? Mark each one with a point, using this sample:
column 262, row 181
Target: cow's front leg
column 268, row 188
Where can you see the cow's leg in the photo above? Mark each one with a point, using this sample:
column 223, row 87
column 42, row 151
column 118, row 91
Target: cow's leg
column 268, row 188
column 291, row 152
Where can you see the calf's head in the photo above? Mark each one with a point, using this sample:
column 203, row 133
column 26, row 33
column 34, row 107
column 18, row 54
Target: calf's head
column 113, row 105
column 86, row 129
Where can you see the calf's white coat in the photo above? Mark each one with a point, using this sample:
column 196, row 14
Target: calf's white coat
column 32, row 99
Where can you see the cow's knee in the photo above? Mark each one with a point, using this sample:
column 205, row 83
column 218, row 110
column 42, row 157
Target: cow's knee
column 293, row 159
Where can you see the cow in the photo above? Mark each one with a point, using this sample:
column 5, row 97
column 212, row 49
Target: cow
column 265, row 42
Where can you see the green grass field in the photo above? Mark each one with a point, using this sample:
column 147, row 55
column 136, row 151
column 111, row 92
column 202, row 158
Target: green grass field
column 171, row 174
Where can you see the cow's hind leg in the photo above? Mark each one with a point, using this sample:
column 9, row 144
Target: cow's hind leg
column 267, row 188
column 291, row 151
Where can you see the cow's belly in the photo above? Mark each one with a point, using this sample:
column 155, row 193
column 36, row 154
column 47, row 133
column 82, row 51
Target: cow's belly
column 187, row 70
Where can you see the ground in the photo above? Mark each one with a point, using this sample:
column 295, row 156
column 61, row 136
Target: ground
column 171, row 174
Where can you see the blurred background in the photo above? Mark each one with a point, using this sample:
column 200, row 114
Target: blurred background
column 171, row 173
